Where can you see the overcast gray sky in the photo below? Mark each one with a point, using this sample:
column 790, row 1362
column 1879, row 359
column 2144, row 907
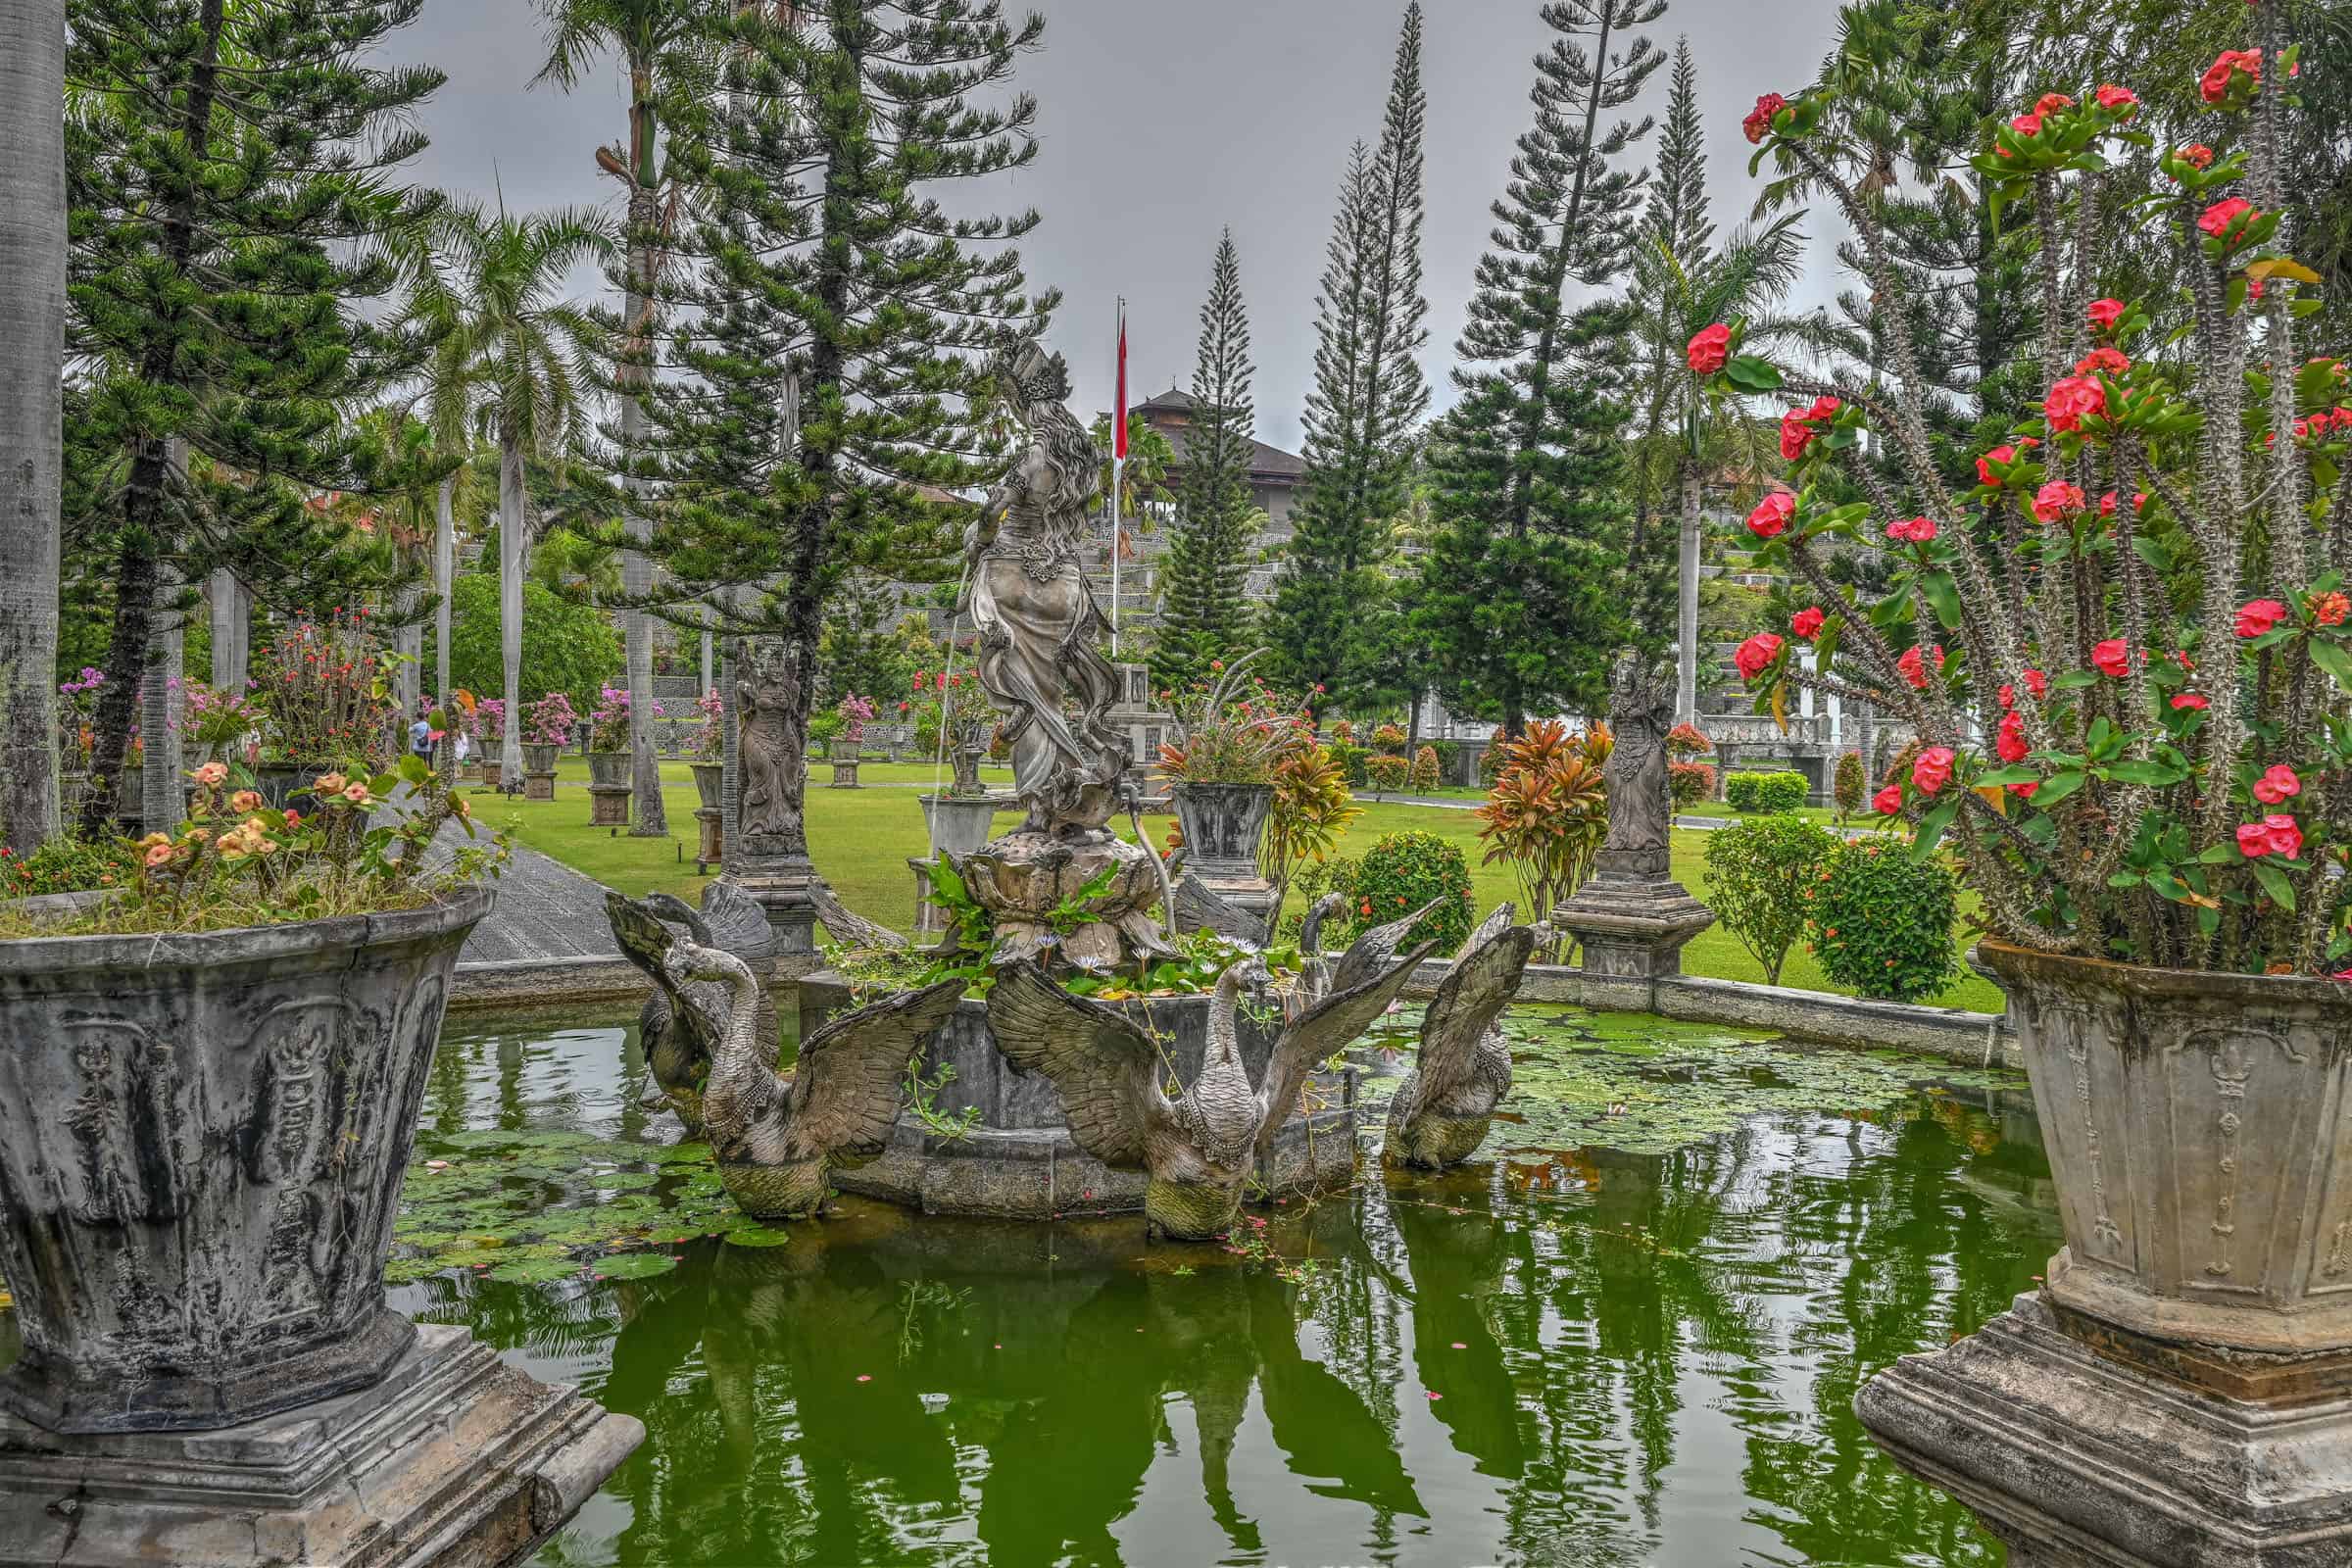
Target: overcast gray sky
column 1162, row 122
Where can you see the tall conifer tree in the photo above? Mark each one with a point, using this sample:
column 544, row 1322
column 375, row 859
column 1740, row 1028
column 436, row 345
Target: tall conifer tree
column 1524, row 592
column 1204, row 612
column 836, row 329
column 228, row 168
column 1332, row 605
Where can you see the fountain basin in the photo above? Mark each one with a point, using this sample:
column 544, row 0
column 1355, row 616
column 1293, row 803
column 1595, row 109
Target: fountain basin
column 1018, row 1160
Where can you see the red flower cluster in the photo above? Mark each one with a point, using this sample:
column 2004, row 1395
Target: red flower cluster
column 2273, row 835
column 2055, row 500
column 1912, row 530
column 2276, row 785
column 1755, row 655
column 1799, row 426
column 1888, row 801
column 1772, row 514
column 2113, row 658
column 1758, row 122
column 2074, row 398
column 2192, row 702
column 2111, row 97
column 1807, row 625
column 2257, row 616
column 1709, row 347
column 1933, row 770
column 2214, row 85
column 1914, row 666
column 2328, row 608
column 2104, row 314
column 2003, row 454
column 2010, row 743
column 2222, row 214
column 2103, row 361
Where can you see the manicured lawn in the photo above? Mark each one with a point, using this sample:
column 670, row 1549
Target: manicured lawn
column 862, row 839
column 1811, row 813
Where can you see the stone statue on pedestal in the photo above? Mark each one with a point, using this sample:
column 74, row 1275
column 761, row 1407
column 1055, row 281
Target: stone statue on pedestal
column 1042, row 665
column 1641, row 793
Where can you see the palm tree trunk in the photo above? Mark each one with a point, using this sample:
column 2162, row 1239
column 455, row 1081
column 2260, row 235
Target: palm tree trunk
column 445, row 557
column 163, row 801
column 1686, row 673
column 636, row 570
column 512, row 557
column 32, row 322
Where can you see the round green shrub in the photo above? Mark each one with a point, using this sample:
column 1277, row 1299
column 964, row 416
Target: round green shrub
column 1761, row 877
column 1350, row 758
column 1766, row 792
column 1424, row 777
column 1881, row 923
column 1405, row 871
column 1389, row 739
column 1387, row 774
column 1692, row 783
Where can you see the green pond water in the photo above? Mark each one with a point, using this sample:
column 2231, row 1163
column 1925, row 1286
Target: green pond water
column 1631, row 1336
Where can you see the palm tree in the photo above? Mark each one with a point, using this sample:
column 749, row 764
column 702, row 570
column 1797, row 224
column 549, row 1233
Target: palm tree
column 1684, row 433
column 665, row 46
column 32, row 258
column 521, row 363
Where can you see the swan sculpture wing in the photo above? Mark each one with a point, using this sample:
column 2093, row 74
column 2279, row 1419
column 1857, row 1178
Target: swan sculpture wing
column 1199, row 908
column 1106, row 1068
column 1323, row 1030
column 1370, row 952
column 845, row 1088
column 1480, row 983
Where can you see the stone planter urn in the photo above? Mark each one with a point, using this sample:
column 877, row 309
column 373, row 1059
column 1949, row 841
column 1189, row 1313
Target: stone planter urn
column 961, row 823
column 843, row 750
column 489, row 765
column 279, row 782
column 2193, row 1340
column 611, row 769
column 539, row 771
column 609, row 789
column 202, row 1140
column 1223, row 825
column 708, row 779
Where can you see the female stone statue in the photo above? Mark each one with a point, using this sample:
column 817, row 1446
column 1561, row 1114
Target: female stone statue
column 1038, row 622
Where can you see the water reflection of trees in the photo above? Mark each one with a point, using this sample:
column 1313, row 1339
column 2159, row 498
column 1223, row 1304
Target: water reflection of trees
column 1027, row 1386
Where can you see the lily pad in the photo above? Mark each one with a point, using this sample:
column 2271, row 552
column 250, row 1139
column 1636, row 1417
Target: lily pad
column 535, row 1270
column 633, row 1265
column 758, row 1234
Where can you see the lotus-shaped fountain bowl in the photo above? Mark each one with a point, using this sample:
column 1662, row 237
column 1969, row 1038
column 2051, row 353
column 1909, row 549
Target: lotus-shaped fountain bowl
column 1025, row 879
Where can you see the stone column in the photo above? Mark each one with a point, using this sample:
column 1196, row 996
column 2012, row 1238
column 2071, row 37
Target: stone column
column 1686, row 685
column 232, row 611
column 162, row 792
column 1632, row 918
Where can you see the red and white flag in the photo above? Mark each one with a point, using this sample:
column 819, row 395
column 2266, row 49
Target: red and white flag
column 1118, row 423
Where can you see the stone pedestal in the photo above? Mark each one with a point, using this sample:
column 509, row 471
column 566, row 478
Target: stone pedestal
column 779, row 884
column 452, row 1460
column 608, row 806
column 1631, row 920
column 845, row 773
column 542, row 786
column 713, row 849
column 2131, row 1456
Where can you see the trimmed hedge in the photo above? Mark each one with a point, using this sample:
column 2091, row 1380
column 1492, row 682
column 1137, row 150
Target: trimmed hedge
column 1405, row 871
column 1766, row 792
column 1881, row 923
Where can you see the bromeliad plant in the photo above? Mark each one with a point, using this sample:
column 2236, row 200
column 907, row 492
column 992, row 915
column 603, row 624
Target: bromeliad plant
column 2127, row 649
column 1548, row 813
column 1232, row 732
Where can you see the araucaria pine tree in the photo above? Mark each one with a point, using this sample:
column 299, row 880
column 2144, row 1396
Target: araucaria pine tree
column 1527, row 585
column 835, row 330
column 1203, row 613
column 1331, row 603
column 227, row 168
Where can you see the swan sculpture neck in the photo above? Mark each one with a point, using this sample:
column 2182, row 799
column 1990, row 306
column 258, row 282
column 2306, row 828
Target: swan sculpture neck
column 736, row 1089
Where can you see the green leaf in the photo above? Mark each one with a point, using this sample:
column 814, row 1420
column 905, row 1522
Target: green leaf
column 1931, row 828
column 2075, row 680
column 2273, row 882
column 2130, row 770
column 2152, row 552
column 2001, row 778
column 1944, row 594
column 2331, row 656
column 1749, row 374
column 2057, row 788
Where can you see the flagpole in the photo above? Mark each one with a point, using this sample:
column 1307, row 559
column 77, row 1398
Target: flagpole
column 1118, row 465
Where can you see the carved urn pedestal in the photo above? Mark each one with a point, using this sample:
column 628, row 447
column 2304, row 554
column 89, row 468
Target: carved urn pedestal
column 1631, row 920
column 2179, row 1391
column 845, row 769
column 958, row 825
column 609, row 789
column 539, row 772
column 1223, row 825
column 202, row 1141
column 711, row 847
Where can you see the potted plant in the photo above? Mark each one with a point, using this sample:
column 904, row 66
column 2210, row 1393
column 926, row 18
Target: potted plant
column 326, row 693
column 1231, row 737
column 609, row 740
column 2126, row 650
column 490, row 734
column 212, row 1085
column 855, row 712
column 77, row 717
column 710, row 750
column 547, row 725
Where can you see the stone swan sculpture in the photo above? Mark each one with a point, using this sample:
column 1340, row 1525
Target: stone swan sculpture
column 1367, row 956
column 776, row 1136
column 681, row 1022
column 1198, row 1146
column 1441, row 1112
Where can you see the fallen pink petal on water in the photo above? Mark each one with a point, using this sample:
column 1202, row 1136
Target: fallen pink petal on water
column 1459, row 1345
column 865, row 1377
column 1437, row 1396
